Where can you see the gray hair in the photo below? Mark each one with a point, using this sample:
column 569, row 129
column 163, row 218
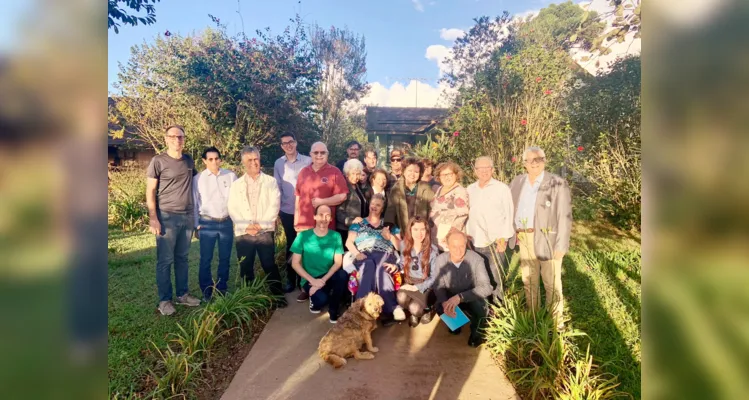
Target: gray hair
column 352, row 165
column 534, row 149
column 483, row 158
column 248, row 150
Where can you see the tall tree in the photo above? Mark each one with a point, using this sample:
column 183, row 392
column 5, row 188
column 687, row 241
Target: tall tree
column 121, row 13
column 340, row 56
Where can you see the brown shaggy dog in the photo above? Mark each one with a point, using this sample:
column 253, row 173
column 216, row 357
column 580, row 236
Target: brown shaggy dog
column 352, row 331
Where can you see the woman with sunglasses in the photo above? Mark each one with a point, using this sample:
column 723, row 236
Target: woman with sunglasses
column 418, row 253
column 449, row 208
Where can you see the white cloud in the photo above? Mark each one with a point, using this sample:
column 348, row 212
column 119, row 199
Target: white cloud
column 398, row 95
column 418, row 5
column 451, row 34
column 439, row 53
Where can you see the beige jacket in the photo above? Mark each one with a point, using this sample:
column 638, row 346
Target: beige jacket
column 553, row 212
column 269, row 203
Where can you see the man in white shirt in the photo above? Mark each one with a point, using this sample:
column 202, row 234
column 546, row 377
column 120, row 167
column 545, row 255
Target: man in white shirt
column 285, row 170
column 490, row 221
column 211, row 191
column 254, row 203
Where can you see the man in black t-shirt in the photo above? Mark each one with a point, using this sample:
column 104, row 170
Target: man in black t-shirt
column 170, row 210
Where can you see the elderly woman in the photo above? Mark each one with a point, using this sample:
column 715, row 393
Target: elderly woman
column 374, row 247
column 418, row 254
column 449, row 208
column 356, row 204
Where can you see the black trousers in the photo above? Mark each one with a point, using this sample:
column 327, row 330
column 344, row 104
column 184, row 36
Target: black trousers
column 287, row 220
column 476, row 313
column 264, row 246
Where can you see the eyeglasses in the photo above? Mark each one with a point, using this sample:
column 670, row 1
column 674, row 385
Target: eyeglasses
column 483, row 168
column 396, row 159
column 446, row 174
column 289, row 143
column 178, row 137
column 319, row 153
column 537, row 160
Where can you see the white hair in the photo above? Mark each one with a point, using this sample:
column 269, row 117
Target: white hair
column 487, row 158
column 352, row 165
column 534, row 149
column 249, row 150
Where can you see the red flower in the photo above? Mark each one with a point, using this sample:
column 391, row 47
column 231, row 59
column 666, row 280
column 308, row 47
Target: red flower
column 547, row 92
column 580, row 148
column 167, row 34
column 523, row 122
column 507, row 56
column 460, row 202
column 456, row 133
column 538, row 79
column 514, row 159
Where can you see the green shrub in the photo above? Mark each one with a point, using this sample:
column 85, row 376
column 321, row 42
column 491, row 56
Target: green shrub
column 541, row 361
column 239, row 307
column 127, row 200
column 179, row 374
column 201, row 335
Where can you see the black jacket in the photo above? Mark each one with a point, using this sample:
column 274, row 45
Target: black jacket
column 350, row 208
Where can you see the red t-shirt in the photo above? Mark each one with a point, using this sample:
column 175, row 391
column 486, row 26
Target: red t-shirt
column 327, row 182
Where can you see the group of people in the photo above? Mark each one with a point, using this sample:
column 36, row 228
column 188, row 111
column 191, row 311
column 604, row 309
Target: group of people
column 413, row 234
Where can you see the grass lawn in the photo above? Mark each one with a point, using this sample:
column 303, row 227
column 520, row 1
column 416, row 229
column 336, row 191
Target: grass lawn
column 601, row 283
column 134, row 321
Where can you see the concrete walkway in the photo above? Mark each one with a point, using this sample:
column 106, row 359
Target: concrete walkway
column 425, row 362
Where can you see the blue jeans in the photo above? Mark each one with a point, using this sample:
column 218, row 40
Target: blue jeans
column 172, row 246
column 331, row 294
column 210, row 233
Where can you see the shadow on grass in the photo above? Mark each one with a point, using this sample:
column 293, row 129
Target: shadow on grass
column 608, row 345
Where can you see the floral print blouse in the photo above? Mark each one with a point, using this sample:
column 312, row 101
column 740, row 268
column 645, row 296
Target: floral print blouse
column 448, row 208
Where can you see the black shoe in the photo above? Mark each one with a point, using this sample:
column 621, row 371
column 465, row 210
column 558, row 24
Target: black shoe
column 426, row 318
column 413, row 321
column 455, row 332
column 475, row 342
column 288, row 288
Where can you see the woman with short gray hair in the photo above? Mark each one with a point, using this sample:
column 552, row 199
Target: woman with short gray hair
column 356, row 204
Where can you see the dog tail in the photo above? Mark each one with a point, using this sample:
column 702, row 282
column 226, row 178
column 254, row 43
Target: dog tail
column 333, row 359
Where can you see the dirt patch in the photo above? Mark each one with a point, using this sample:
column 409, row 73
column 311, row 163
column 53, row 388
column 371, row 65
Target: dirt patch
column 230, row 352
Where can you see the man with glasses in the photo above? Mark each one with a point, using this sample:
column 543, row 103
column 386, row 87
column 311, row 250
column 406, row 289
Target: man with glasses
column 286, row 170
column 212, row 221
column 543, row 220
column 490, row 221
column 396, row 167
column 352, row 150
column 370, row 165
column 169, row 197
column 318, row 184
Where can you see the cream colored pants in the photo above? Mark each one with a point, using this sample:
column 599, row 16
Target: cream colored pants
column 551, row 273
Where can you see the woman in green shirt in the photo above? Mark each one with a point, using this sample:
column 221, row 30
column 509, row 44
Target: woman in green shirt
column 317, row 258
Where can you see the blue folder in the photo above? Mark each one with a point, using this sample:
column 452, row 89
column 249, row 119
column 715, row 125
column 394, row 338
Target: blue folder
column 455, row 323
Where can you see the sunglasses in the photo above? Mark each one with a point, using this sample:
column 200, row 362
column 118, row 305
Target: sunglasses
column 319, row 153
column 396, row 159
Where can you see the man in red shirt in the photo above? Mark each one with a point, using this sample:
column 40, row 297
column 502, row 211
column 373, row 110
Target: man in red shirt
column 318, row 184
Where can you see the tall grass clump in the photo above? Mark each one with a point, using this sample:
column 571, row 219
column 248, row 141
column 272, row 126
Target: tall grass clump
column 178, row 375
column 240, row 307
column 541, row 361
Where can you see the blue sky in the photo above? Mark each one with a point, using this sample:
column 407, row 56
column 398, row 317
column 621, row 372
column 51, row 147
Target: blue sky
column 397, row 32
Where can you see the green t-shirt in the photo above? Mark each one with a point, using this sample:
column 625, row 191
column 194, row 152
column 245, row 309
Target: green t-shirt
column 317, row 252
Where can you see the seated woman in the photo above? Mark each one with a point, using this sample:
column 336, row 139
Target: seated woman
column 356, row 204
column 373, row 246
column 418, row 254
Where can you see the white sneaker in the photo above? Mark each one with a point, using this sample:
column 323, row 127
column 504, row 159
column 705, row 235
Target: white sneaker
column 166, row 308
column 399, row 314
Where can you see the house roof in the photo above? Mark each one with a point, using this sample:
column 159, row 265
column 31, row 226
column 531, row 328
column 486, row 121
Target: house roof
column 128, row 139
column 403, row 120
